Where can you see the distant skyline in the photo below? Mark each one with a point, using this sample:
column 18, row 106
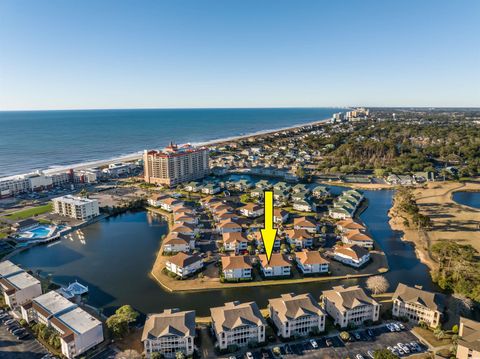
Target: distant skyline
column 115, row 54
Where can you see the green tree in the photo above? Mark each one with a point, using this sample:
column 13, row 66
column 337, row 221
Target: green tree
column 84, row 193
column 455, row 329
column 179, row 355
column 156, row 355
column 119, row 323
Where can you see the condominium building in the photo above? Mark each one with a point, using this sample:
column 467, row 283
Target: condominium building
column 236, row 267
column 418, row 305
column 78, row 330
column 311, row 262
column 279, row 265
column 17, row 286
column 184, row 265
column 175, row 164
column 238, row 324
column 234, row 241
column 76, row 207
column 168, row 333
column 296, row 315
column 352, row 255
column 350, row 306
column 468, row 345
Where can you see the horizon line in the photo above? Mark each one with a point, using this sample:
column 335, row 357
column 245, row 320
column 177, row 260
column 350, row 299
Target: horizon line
column 239, row 108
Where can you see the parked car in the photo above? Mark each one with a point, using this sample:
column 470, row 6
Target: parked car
column 357, row 336
column 328, row 342
column 397, row 327
column 390, row 327
column 22, row 336
column 359, row 356
column 10, row 321
column 404, row 348
column 370, row 333
column 314, row 344
column 370, row 354
column 402, row 327
column 249, row 355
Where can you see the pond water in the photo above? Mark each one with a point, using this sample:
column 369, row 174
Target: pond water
column 471, row 199
column 114, row 258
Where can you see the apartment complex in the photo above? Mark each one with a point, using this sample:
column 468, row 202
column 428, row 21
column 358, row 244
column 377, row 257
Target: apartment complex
column 350, row 305
column 17, row 286
column 169, row 332
column 175, row 164
column 418, row 305
column 238, row 324
column 296, row 315
column 468, row 345
column 76, row 207
column 78, row 331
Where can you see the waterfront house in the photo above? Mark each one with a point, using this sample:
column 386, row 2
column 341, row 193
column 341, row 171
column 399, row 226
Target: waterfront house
column 211, row 188
column 300, row 188
column 350, row 305
column 280, row 216
column 358, row 238
column 279, row 265
column 168, row 203
column 251, row 210
column 351, row 254
column 184, row 265
column 207, row 202
column 418, row 305
column 339, row 213
column 183, row 217
column 238, row 324
column 296, row 315
column 236, row 267
column 78, row 331
column 299, row 237
column 280, row 195
column 299, row 196
column 234, row 241
column 229, row 226
column 175, row 242
column 468, row 344
column 311, row 262
column 349, row 225
column 169, row 332
column 282, row 186
column 17, row 286
column 263, row 185
column 184, row 228
column 306, row 224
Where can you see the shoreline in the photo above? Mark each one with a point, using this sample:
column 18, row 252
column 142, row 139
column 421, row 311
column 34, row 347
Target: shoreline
column 138, row 155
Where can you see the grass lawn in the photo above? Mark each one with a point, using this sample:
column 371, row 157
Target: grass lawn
column 431, row 338
column 3, row 235
column 30, row 212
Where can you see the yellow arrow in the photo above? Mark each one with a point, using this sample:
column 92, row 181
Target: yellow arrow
column 268, row 233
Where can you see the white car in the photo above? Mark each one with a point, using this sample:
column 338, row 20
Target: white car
column 397, row 327
column 370, row 354
column 390, row 327
column 404, row 348
column 359, row 356
column 402, row 327
column 249, row 355
column 314, row 344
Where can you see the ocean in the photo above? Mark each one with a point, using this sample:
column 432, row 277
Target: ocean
column 40, row 140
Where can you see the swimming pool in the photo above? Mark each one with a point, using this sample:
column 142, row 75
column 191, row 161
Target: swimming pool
column 39, row 232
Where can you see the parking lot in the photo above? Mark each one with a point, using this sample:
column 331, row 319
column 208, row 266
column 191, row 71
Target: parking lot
column 339, row 349
column 12, row 348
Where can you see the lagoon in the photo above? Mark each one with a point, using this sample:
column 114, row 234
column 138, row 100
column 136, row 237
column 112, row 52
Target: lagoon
column 471, row 199
column 116, row 255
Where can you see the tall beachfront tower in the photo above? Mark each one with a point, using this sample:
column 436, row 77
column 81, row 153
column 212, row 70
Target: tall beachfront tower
column 175, row 164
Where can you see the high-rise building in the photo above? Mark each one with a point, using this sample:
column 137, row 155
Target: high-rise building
column 76, row 207
column 175, row 164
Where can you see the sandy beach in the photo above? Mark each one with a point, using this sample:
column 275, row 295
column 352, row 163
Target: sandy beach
column 451, row 221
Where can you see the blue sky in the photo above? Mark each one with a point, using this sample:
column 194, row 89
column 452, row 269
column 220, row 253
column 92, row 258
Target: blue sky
column 225, row 53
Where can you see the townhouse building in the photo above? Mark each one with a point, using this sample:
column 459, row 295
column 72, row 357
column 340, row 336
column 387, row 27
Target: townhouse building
column 236, row 267
column 418, row 305
column 184, row 265
column 350, row 306
column 296, row 315
column 238, row 324
column 351, row 255
column 234, row 241
column 169, row 333
column 311, row 262
column 279, row 265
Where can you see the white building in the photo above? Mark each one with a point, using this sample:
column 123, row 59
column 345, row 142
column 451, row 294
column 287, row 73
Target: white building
column 252, row 210
column 350, row 305
column 236, row 267
column 296, row 315
column 299, row 237
column 76, row 207
column 305, row 224
column 234, row 241
column 18, row 287
column 311, row 262
column 279, row 265
column 238, row 324
column 78, row 330
column 357, row 237
column 418, row 305
column 169, row 332
column 184, row 265
column 352, row 255
column 174, row 242
column 468, row 344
